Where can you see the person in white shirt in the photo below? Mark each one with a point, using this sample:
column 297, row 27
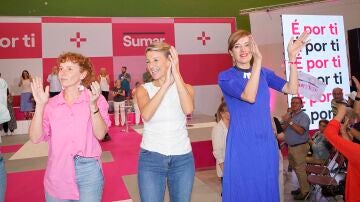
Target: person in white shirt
column 218, row 136
column 166, row 154
column 136, row 107
column 3, row 105
column 104, row 81
column 53, row 79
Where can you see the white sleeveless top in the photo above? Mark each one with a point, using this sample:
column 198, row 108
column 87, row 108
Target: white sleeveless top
column 104, row 85
column 166, row 131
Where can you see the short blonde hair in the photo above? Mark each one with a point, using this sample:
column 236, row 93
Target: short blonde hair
column 159, row 46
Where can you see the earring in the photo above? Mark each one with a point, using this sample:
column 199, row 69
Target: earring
column 81, row 87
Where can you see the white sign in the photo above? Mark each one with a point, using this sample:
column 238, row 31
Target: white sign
column 323, row 57
column 310, row 87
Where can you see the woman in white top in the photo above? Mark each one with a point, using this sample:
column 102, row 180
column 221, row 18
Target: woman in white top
column 104, row 81
column 218, row 135
column 166, row 155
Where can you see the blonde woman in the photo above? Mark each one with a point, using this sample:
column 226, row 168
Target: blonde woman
column 166, row 154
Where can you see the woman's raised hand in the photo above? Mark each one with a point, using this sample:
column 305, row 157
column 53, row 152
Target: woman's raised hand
column 356, row 82
column 169, row 76
column 294, row 47
column 95, row 92
column 254, row 49
column 40, row 95
column 174, row 59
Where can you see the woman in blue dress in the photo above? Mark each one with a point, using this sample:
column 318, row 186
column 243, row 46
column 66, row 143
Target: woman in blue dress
column 251, row 159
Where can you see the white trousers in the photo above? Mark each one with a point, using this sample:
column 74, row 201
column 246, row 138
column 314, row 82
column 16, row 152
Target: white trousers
column 119, row 107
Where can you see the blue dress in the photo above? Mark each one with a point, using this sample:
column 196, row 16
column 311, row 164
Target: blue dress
column 251, row 160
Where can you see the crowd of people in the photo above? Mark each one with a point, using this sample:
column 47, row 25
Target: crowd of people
column 246, row 139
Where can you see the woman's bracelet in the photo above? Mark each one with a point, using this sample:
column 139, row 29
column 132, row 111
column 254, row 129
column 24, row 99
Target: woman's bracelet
column 292, row 63
column 96, row 111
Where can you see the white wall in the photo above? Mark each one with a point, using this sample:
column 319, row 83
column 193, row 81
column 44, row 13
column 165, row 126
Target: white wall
column 267, row 30
column 207, row 99
column 11, row 70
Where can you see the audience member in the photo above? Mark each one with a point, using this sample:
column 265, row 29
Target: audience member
column 147, row 76
column 218, row 137
column 2, row 177
column 165, row 154
column 347, row 148
column 319, row 145
column 296, row 128
column 280, row 136
column 338, row 97
column 246, row 90
column 26, row 102
column 119, row 103
column 72, row 123
column 53, row 79
column 4, row 112
column 104, row 81
column 355, row 129
column 136, row 106
column 3, row 87
column 125, row 79
column 355, row 133
column 10, row 125
column 351, row 99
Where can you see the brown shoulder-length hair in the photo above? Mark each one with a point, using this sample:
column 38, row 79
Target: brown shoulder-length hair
column 159, row 46
column 235, row 36
column 222, row 108
column 84, row 63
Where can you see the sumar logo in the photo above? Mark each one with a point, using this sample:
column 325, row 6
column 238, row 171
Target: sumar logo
column 141, row 39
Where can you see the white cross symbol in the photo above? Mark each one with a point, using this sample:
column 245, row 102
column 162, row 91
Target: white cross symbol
column 78, row 39
column 203, row 38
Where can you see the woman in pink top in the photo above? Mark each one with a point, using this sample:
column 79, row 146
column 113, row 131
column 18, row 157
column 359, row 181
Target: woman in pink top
column 72, row 123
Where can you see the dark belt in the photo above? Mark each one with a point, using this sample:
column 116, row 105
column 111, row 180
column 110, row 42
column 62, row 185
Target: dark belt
column 295, row 145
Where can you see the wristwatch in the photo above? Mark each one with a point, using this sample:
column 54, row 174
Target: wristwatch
column 291, row 123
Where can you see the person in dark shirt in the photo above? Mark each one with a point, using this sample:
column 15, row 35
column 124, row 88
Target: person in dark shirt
column 125, row 79
column 119, row 103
